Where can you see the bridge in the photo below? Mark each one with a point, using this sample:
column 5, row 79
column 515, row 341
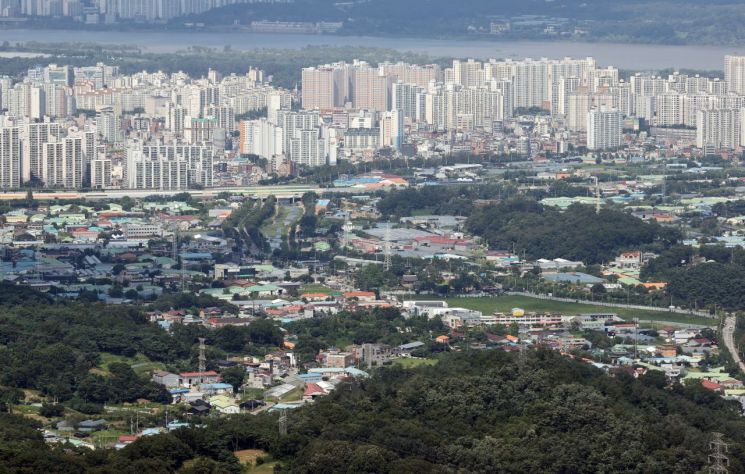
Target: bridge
column 287, row 191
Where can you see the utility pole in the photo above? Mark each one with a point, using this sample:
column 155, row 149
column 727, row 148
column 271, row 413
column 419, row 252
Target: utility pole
column 718, row 461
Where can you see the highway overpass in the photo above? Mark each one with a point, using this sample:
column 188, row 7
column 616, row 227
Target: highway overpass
column 286, row 191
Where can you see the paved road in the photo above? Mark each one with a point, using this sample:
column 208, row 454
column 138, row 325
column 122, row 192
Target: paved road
column 728, row 334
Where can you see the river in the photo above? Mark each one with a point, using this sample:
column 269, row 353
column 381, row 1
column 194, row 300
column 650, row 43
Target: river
column 625, row 56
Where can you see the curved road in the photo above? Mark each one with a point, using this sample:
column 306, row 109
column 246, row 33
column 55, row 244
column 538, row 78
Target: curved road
column 728, row 335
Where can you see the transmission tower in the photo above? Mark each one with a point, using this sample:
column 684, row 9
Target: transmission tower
column 283, row 422
column 174, row 252
column 202, row 356
column 597, row 195
column 347, row 228
column 387, row 248
column 718, row 461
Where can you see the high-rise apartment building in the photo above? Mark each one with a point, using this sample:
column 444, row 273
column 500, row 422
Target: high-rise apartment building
column 734, row 73
column 604, row 128
column 10, row 157
column 260, row 137
column 35, row 137
column 392, row 129
column 719, row 128
column 170, row 167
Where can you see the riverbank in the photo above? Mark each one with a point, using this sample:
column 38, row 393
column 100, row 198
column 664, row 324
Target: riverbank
column 624, row 56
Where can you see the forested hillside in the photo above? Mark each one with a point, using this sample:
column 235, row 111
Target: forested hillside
column 478, row 412
column 641, row 21
column 57, row 348
column 576, row 234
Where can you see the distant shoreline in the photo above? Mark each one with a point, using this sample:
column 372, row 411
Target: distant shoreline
column 627, row 56
column 242, row 29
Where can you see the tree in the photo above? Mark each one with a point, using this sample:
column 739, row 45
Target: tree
column 234, row 376
column 49, row 410
column 598, row 289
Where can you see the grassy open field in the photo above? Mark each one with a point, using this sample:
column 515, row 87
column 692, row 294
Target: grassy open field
column 489, row 305
column 294, row 395
column 139, row 363
column 315, row 288
column 275, row 225
column 248, row 457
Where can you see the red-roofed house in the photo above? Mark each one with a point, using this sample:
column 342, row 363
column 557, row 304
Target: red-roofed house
column 711, row 385
column 314, row 296
column 127, row 439
column 360, row 295
column 312, row 391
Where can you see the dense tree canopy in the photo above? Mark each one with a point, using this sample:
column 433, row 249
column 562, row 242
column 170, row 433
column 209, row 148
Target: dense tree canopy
column 482, row 412
column 53, row 347
column 708, row 276
column 577, row 233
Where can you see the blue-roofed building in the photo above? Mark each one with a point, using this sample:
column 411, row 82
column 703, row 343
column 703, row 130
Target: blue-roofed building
column 578, row 278
column 175, row 425
column 284, row 406
column 310, row 377
column 355, row 372
column 196, row 256
column 216, row 388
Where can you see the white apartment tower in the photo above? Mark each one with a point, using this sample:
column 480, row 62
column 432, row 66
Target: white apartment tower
column 10, row 157
column 392, row 129
column 100, row 173
column 64, row 163
column 734, row 73
column 719, row 128
column 604, row 128
column 260, row 137
column 35, row 136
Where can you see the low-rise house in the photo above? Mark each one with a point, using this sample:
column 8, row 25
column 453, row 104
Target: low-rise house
column 313, row 391
column 224, row 404
column 219, row 388
column 189, row 379
column 363, row 296
column 166, row 379
column 336, row 359
column 405, row 350
column 125, row 440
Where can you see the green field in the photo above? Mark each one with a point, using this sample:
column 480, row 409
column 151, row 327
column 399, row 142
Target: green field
column 315, row 288
column 505, row 303
column 275, row 225
column 294, row 395
column 139, row 363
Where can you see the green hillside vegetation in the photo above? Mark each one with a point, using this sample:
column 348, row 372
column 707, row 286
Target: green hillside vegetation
column 477, row 412
column 715, row 279
column 85, row 355
column 575, row 234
